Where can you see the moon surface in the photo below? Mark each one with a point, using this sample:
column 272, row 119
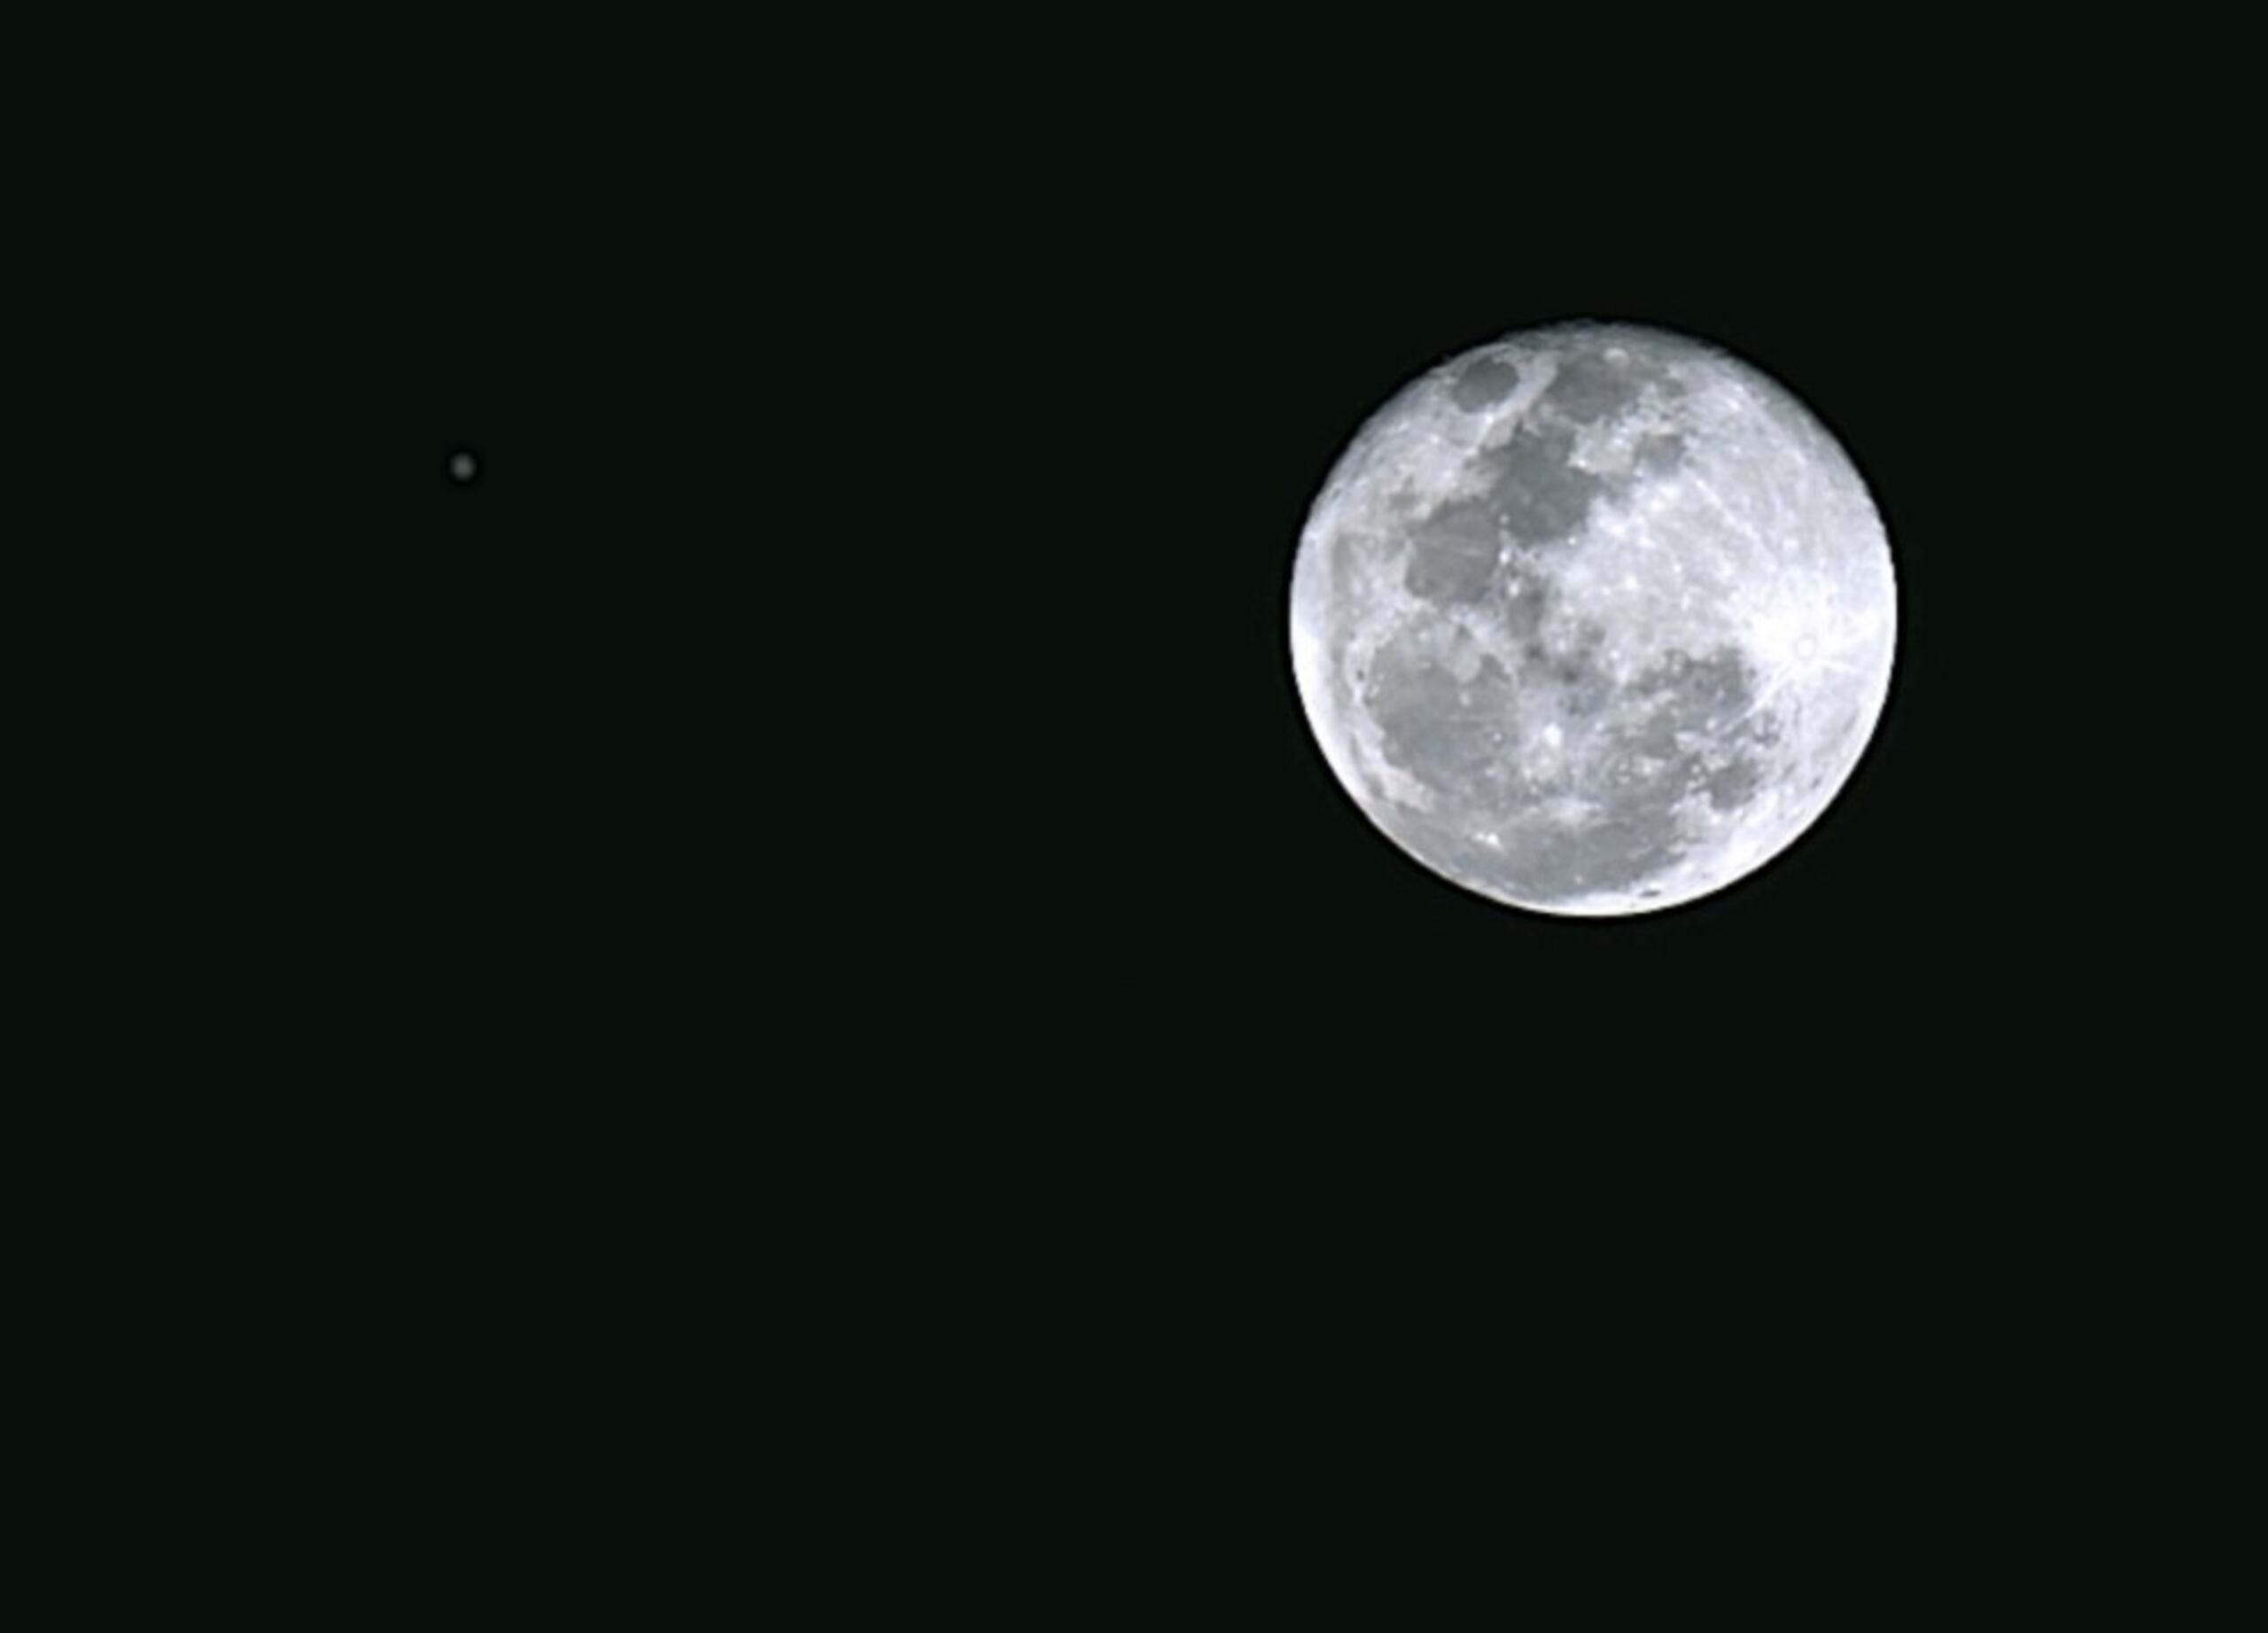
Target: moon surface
column 1593, row 620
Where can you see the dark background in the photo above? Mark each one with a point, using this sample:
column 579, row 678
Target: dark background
column 1075, row 995
column 806, row 884
column 958, row 450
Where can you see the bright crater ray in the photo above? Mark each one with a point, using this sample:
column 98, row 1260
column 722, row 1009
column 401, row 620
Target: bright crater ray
column 1593, row 621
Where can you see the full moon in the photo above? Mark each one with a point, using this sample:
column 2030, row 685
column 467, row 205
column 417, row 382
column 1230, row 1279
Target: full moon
column 1593, row 621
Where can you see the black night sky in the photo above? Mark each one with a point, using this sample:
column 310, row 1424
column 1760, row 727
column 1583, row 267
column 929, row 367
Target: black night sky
column 1048, row 399
column 810, row 868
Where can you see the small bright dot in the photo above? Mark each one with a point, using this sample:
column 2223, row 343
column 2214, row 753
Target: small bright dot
column 461, row 466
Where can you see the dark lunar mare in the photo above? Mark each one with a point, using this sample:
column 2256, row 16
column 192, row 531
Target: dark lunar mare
column 1534, row 498
column 1690, row 730
column 1682, row 728
column 1534, row 502
column 1483, row 381
column 1589, row 386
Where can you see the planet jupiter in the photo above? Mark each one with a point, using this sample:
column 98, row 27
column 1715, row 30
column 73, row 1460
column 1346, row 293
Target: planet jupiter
column 1593, row 621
